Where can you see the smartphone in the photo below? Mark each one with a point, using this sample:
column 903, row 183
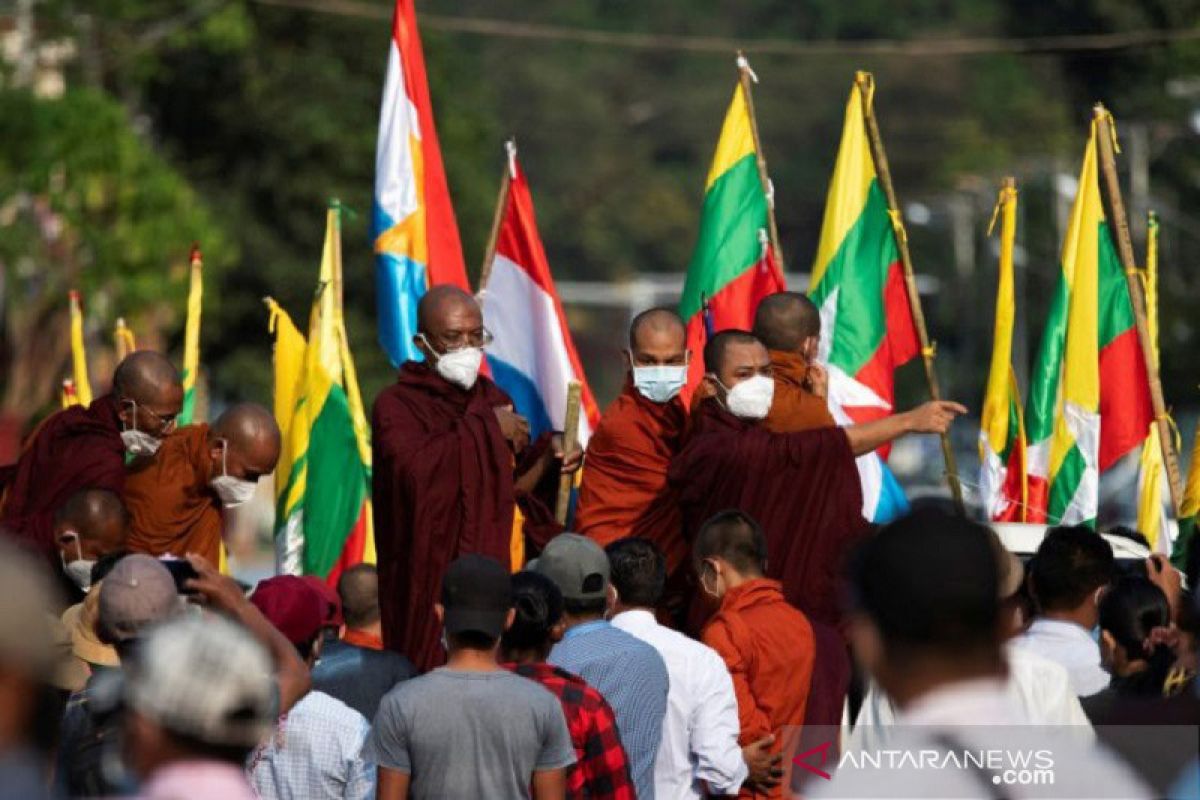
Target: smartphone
column 182, row 571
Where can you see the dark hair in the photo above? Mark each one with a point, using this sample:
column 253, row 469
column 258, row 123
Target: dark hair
column 1132, row 534
column 1129, row 611
column 585, row 608
column 358, row 589
column 714, row 348
column 638, row 571
column 228, row 753
column 1072, row 562
column 734, row 536
column 305, row 648
column 537, row 606
column 471, row 640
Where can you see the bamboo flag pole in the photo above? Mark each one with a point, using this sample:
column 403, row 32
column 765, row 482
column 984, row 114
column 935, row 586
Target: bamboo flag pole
column 1106, row 141
column 866, row 88
column 747, row 77
column 570, row 445
column 506, row 179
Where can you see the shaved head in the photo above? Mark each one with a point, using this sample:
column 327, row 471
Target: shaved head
column 99, row 517
column 440, row 303
column 786, row 320
column 148, row 378
column 716, row 347
column 358, row 588
column 253, row 440
column 656, row 322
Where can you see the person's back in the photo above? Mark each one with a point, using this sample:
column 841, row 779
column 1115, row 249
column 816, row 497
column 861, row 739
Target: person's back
column 359, row 676
column 314, row 752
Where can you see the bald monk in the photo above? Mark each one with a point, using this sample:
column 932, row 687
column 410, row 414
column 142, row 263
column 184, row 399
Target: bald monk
column 79, row 448
column 445, row 444
column 91, row 524
column 623, row 491
column 803, row 488
column 175, row 499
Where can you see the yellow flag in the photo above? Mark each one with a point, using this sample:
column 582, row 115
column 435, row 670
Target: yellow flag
column 124, row 342
column 83, row 388
column 1152, row 519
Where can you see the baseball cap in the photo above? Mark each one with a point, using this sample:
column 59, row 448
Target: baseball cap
column 26, row 640
column 476, row 594
column 139, row 591
column 577, row 566
column 333, row 603
column 80, row 620
column 292, row 605
column 205, row 678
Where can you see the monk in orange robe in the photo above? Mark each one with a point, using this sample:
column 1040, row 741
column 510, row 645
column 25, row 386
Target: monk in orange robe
column 86, row 448
column 789, row 324
column 624, row 491
column 175, row 500
column 449, row 465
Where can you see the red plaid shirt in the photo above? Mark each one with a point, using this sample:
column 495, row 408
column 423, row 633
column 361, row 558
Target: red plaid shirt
column 602, row 768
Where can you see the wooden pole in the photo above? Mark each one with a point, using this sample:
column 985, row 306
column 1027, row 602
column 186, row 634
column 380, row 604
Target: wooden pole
column 866, row 86
column 570, row 445
column 489, row 253
column 746, row 78
column 1105, row 141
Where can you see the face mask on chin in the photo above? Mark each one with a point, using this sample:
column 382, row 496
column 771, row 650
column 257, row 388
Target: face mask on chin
column 79, row 571
column 750, row 399
column 460, row 367
column 138, row 443
column 232, row 491
column 659, row 383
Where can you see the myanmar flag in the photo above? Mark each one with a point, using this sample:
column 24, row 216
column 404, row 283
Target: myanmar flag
column 1089, row 398
column 323, row 479
column 1002, row 477
column 733, row 266
column 191, row 339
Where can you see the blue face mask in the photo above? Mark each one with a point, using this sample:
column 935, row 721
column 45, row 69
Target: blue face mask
column 661, row 382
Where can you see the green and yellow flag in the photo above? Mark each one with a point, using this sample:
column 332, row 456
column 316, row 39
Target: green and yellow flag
column 323, row 479
column 191, row 337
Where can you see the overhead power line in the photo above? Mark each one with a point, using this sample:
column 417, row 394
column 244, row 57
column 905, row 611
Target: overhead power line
column 958, row 46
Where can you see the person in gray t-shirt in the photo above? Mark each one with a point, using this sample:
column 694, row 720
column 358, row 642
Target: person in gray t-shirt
column 471, row 728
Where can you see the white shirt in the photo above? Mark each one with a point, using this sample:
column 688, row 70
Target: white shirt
column 976, row 718
column 700, row 730
column 1073, row 647
column 1038, row 687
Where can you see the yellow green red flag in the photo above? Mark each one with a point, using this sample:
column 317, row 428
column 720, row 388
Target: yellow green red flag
column 191, row 337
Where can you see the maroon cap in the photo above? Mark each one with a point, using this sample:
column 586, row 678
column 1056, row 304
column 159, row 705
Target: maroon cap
column 292, row 605
column 333, row 603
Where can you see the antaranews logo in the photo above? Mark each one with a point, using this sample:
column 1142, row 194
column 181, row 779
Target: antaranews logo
column 1005, row 766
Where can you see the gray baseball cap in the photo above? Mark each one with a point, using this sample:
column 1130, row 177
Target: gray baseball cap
column 577, row 565
column 137, row 593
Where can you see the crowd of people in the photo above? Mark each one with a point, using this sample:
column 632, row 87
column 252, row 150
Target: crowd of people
column 718, row 613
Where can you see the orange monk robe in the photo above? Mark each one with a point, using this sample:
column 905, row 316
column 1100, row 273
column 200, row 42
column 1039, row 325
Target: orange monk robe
column 794, row 407
column 769, row 648
column 172, row 509
column 623, row 491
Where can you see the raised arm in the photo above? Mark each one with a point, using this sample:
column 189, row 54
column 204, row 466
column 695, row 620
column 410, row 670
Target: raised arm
column 932, row 417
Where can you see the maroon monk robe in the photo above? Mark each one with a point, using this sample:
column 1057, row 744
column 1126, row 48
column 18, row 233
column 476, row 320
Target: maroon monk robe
column 442, row 487
column 76, row 448
column 802, row 488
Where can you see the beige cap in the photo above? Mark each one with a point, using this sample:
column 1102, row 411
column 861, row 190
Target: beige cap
column 80, row 620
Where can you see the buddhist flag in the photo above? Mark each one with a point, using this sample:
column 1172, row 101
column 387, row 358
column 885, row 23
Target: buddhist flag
column 413, row 226
column 867, row 327
column 532, row 358
column 1089, row 397
column 323, row 479
column 83, row 387
column 1002, row 426
column 1153, row 519
column 191, row 336
column 733, row 266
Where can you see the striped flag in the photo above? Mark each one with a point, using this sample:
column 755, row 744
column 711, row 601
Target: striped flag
column 191, row 337
column 413, row 226
column 532, row 357
column 867, row 327
column 1002, row 425
column 79, row 369
column 1153, row 519
column 323, row 479
column 1089, row 398
column 733, row 267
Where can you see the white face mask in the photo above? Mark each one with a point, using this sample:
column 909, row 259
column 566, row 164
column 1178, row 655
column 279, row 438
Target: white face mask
column 460, row 367
column 750, row 399
column 78, row 571
column 659, row 383
column 232, row 491
column 138, row 443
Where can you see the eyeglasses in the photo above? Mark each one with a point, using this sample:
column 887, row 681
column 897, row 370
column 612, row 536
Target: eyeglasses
column 450, row 341
column 166, row 422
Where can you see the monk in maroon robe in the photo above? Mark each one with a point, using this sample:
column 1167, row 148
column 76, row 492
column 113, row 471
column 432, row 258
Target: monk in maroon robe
column 446, row 445
column 803, row 488
column 85, row 448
